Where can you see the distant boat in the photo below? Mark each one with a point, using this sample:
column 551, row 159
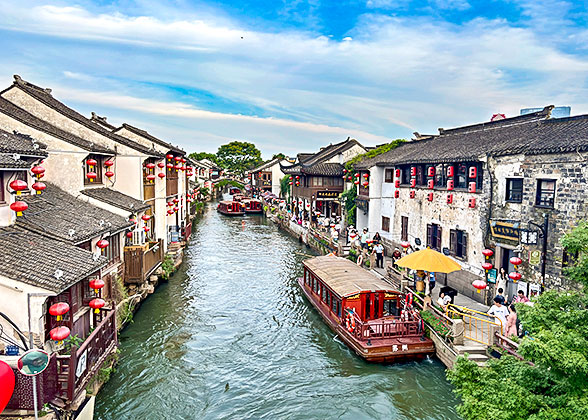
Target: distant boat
column 375, row 321
column 231, row 208
column 253, row 205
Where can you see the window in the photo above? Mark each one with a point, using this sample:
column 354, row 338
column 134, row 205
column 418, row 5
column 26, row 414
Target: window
column 405, row 175
column 112, row 251
column 434, row 236
column 147, row 171
column 2, row 188
column 323, row 293
column 97, row 169
column 385, row 224
column 461, row 175
column 440, row 176
column 389, row 176
column 458, row 243
column 545, row 192
column 404, row 228
column 514, row 190
column 569, row 259
column 421, row 176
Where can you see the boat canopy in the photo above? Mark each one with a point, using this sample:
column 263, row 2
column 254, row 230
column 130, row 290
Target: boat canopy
column 345, row 277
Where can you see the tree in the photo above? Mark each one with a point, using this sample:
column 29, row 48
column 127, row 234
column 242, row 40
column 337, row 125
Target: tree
column 555, row 386
column 238, row 156
column 203, row 155
column 280, row 156
column 285, row 186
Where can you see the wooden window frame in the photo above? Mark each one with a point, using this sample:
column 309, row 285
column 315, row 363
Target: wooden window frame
column 539, row 197
column 388, row 175
column 457, row 248
column 97, row 169
column 385, row 224
column 509, row 198
column 434, row 238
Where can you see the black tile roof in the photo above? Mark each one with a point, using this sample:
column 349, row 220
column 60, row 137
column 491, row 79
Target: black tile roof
column 116, row 199
column 330, row 151
column 21, row 144
column 26, row 118
column 327, row 169
column 314, row 164
column 534, row 133
column 44, row 96
column 9, row 162
column 34, row 259
column 62, row 216
column 102, row 121
column 264, row 165
column 154, row 139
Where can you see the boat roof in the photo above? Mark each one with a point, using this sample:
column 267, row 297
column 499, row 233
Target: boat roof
column 227, row 202
column 345, row 277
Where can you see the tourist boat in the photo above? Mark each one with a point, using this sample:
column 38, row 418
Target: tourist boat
column 253, row 206
column 238, row 197
column 375, row 321
column 231, row 208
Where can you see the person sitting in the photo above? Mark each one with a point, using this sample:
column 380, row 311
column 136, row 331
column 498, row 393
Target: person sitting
column 443, row 300
column 521, row 297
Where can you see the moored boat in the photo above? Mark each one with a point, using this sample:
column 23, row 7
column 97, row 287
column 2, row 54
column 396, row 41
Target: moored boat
column 375, row 321
column 253, row 205
column 231, row 208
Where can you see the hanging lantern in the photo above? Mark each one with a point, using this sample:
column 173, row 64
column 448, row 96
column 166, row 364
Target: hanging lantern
column 161, row 165
column 178, row 159
column 516, row 261
column 488, row 253
column 487, row 266
column 183, row 160
column 58, row 310
column 38, row 171
column 170, row 212
column 479, row 285
column 344, row 170
column 356, row 175
column 177, row 167
column 150, row 165
column 405, row 245
column 161, row 175
column 356, row 182
column 169, row 156
column 145, row 217
column 365, row 184
column 133, row 220
column 109, row 174
column 96, row 284
column 58, row 334
column 19, row 207
column 344, row 176
column 39, row 187
column 175, row 201
column 18, row 185
column 175, row 209
column 170, row 203
column 366, row 175
column 150, row 177
column 183, row 168
column 349, row 178
column 109, row 163
column 91, row 162
column 91, row 176
column 169, row 166
column 129, row 234
column 102, row 243
column 515, row 276
column 290, row 183
column 96, row 304
column 146, row 229
column 297, row 176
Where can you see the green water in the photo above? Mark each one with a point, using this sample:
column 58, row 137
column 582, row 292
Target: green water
column 231, row 337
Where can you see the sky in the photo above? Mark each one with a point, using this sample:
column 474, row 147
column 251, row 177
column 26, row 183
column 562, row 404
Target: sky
column 293, row 76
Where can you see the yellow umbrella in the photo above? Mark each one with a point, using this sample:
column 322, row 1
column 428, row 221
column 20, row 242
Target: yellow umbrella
column 429, row 260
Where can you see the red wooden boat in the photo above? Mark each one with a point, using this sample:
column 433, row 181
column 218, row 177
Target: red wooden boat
column 375, row 321
column 253, row 206
column 231, row 208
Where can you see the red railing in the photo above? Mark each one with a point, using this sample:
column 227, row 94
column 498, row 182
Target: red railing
column 75, row 371
column 388, row 327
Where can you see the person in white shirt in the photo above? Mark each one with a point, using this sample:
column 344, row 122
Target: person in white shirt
column 499, row 311
column 443, row 300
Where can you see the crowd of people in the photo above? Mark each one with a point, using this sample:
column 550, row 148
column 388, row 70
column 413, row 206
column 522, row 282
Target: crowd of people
column 507, row 313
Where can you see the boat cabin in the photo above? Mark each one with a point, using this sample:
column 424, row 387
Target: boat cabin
column 231, row 208
column 253, row 206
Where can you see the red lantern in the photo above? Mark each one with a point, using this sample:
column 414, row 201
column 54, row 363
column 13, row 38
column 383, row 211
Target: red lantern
column 356, row 182
column 431, row 184
column 59, row 334
column 290, row 183
column 169, row 166
column 450, row 171
column 297, row 177
column 356, row 175
column 150, row 177
column 397, row 183
column 91, row 162
column 150, row 165
column 412, row 194
column 146, row 229
column 96, row 284
column 170, row 156
column 175, row 209
column 413, row 171
column 38, row 170
column 129, row 234
column 397, row 172
column 487, row 253
column 175, row 201
column 178, row 159
column 515, row 276
column 170, row 212
column 344, row 176
column 396, row 194
column 96, row 304
column 515, row 261
column 472, row 187
column 479, row 285
column 91, row 176
column 58, row 310
column 102, row 243
column 366, row 175
column 405, row 244
column 145, row 217
column 19, row 207
column 39, row 187
column 177, row 167
column 161, row 165
column 183, row 168
column 109, row 163
column 473, row 171
column 183, row 160
column 450, row 185
column 487, row 266
column 161, row 175
column 430, row 196
column 170, row 203
column 344, row 170
column 431, row 171
column 365, row 184
column 449, row 198
column 413, row 182
column 109, row 174
column 472, row 203
column 18, row 185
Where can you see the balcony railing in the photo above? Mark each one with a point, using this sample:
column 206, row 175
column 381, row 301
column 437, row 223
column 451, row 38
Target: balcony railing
column 142, row 260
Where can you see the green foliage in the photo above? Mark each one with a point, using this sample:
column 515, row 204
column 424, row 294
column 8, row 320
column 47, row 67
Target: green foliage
column 238, row 156
column 203, row 155
column 224, row 182
column 204, row 192
column 435, row 323
column 72, row 341
column 280, row 156
column 555, row 387
column 285, row 186
column 167, row 267
column 349, row 197
column 576, row 243
column 373, row 153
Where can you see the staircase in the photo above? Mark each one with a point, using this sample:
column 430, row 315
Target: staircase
column 475, row 352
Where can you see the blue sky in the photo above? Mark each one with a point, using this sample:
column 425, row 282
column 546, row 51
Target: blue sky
column 292, row 76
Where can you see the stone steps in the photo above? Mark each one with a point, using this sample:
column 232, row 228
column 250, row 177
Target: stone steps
column 475, row 352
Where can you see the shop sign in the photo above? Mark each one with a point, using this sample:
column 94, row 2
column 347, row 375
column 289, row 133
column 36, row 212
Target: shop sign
column 534, row 257
column 505, row 230
column 492, row 276
column 327, row 194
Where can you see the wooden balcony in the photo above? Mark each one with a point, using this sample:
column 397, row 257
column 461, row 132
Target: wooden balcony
column 142, row 260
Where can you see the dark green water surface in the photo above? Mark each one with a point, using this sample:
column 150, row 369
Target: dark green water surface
column 231, row 337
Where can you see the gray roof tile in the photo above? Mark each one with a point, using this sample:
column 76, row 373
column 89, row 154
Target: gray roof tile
column 116, row 199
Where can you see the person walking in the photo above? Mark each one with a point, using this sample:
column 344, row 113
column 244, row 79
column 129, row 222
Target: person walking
column 499, row 311
column 396, row 255
column 511, row 322
column 500, row 295
column 365, row 237
column 379, row 251
column 502, row 282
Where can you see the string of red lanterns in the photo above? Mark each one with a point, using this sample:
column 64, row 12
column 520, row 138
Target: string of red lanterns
column 60, row 332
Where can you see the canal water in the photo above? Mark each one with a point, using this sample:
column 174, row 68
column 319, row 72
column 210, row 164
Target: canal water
column 231, row 337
